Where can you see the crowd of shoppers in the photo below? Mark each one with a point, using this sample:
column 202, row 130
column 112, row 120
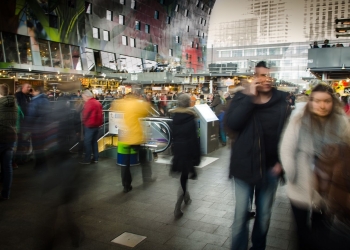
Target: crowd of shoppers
column 309, row 150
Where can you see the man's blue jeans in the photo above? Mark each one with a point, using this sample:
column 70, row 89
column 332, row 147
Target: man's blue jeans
column 264, row 198
column 6, row 154
column 90, row 143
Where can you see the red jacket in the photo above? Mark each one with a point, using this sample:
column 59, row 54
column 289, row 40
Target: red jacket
column 92, row 114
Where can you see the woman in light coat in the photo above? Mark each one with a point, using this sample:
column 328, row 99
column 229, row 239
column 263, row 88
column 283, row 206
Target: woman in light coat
column 305, row 143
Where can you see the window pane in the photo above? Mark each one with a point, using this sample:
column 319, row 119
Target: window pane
column 155, row 48
column 121, row 19
column 124, row 40
column 10, row 47
column 109, row 15
column 76, row 58
column 108, row 61
column 67, row 63
column 132, row 42
column 88, row 8
column 90, row 59
column 44, row 53
column 106, row 35
column 56, row 54
column 133, row 4
column 122, row 1
column 170, row 52
column 25, row 53
column 156, row 14
column 95, row 32
column 137, row 25
column 147, row 28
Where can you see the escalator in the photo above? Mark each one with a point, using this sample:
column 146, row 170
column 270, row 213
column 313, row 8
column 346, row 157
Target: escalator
column 157, row 132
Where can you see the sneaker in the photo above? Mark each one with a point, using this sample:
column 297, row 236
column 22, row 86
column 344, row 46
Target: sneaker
column 84, row 162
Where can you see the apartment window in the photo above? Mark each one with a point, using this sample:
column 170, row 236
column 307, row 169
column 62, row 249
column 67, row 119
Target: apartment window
column 132, row 42
column 205, row 22
column 133, row 4
column 197, row 3
column 188, row 28
column 53, row 21
column 122, row 2
column 209, row 11
column 203, row 35
column 137, row 25
column 177, row 39
column 72, row 3
column 196, row 45
column 198, row 32
column 156, row 14
column 161, row 1
column 186, row 12
column 155, row 48
column 147, row 28
column 170, row 52
column 106, row 36
column 202, row 5
column 201, row 20
column 168, row 19
column 192, row 44
column 122, row 19
column 88, row 8
column 109, row 15
column 96, row 33
column 176, row 7
column 125, row 40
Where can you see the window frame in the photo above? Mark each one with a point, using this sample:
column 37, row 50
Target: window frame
column 156, row 14
column 111, row 15
column 123, row 19
column 88, row 6
column 147, row 28
column 132, row 42
column 108, row 35
column 155, row 48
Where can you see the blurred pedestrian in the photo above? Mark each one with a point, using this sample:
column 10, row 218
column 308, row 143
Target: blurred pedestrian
column 37, row 120
column 257, row 115
column 185, row 147
column 313, row 142
column 131, row 136
column 92, row 118
column 8, row 138
column 23, row 143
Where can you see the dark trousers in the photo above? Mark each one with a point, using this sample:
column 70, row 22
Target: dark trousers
column 302, row 221
column 145, row 164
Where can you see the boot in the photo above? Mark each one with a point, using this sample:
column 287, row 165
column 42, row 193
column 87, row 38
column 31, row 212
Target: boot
column 187, row 198
column 177, row 211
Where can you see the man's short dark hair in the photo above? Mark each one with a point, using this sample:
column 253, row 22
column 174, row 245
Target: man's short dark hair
column 261, row 64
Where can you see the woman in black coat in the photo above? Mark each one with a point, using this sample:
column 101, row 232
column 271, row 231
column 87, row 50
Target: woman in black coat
column 186, row 148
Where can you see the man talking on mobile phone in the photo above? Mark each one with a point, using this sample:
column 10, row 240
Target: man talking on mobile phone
column 257, row 115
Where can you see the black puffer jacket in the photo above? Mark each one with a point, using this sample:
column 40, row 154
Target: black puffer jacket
column 248, row 151
column 185, row 146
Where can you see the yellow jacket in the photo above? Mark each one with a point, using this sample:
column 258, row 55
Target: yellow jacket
column 133, row 109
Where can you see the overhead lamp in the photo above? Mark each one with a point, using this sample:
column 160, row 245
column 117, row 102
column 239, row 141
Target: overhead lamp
column 345, row 21
column 343, row 66
column 342, row 30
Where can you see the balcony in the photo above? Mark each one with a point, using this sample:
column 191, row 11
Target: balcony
column 331, row 63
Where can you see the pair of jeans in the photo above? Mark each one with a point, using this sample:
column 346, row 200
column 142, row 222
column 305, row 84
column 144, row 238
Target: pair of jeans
column 90, row 143
column 264, row 197
column 6, row 154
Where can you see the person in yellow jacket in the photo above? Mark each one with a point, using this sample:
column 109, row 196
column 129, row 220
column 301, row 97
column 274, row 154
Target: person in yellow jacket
column 131, row 135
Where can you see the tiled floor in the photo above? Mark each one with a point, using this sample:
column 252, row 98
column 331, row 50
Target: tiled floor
column 104, row 212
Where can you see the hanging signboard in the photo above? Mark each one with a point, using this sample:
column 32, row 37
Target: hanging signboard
column 194, row 79
column 201, row 79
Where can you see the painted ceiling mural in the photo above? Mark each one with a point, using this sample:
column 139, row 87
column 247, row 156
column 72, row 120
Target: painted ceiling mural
column 67, row 21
